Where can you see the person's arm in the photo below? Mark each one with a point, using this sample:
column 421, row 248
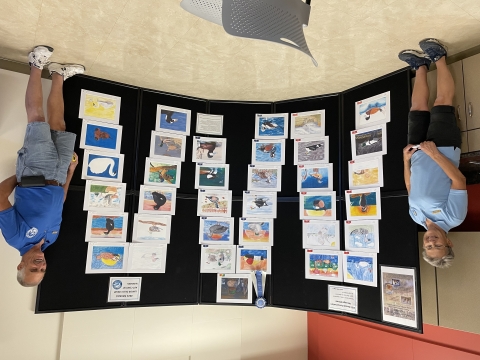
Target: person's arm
column 6, row 188
column 458, row 180
column 407, row 155
column 71, row 170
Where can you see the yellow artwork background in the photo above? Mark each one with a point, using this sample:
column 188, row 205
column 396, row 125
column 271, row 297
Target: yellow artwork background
column 302, row 120
column 370, row 176
column 95, row 108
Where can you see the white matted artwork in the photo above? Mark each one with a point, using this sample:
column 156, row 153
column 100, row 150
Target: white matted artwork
column 209, row 124
column 162, row 172
column 264, row 177
column 157, row 200
column 323, row 265
column 209, row 150
column 315, row 177
column 363, row 204
column 268, row 152
column 362, row 235
column 372, row 111
column 218, row 258
column 101, row 136
column 216, row 230
column 106, row 258
column 255, row 231
column 319, row 234
column 173, row 120
column 151, row 228
column 318, row 205
column 234, row 288
column 104, row 196
column 260, row 204
column 307, row 124
column 253, row 257
column 102, row 166
column 212, row 176
column 366, row 172
column 147, row 258
column 399, row 296
column 271, row 126
column 104, row 226
column 360, row 268
column 99, row 107
column 368, row 142
column 214, row 203
column 167, row 146
column 311, row 151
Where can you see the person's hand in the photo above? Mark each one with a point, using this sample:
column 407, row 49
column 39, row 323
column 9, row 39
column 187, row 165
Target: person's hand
column 73, row 163
column 429, row 148
column 408, row 152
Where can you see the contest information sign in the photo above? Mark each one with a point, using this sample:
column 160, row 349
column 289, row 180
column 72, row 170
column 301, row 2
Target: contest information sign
column 343, row 298
column 124, row 289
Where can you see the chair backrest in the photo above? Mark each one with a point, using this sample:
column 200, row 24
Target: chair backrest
column 210, row 10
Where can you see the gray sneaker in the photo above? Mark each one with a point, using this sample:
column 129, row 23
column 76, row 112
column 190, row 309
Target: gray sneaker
column 39, row 56
column 66, row 70
column 433, row 48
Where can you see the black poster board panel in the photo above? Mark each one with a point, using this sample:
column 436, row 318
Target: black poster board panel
column 66, row 287
column 148, row 114
column 290, row 289
column 331, row 105
column 398, row 84
column 128, row 119
column 179, row 284
column 398, row 247
column 239, row 129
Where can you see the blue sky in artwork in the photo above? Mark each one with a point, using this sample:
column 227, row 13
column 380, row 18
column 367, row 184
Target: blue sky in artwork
column 106, row 137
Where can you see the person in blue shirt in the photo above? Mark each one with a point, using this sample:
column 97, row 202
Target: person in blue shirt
column 33, row 222
column 437, row 192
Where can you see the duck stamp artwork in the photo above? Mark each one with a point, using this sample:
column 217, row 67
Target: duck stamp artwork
column 167, row 146
column 318, row 205
column 162, row 172
column 259, row 204
column 271, row 126
column 362, row 235
column 100, row 195
column 217, row 258
column 102, row 166
column 368, row 142
column 268, row 152
column 315, row 177
column 363, row 204
column 360, row 268
column 101, row 136
column 255, row 231
column 311, row 151
column 173, row 120
column 252, row 258
column 318, row 234
column 209, row 150
column 214, row 203
column 323, row 265
column 106, row 258
column 151, row 228
column 364, row 173
column 157, row 200
column 216, row 230
column 147, row 258
column 100, row 107
column 212, row 176
column 106, row 227
column 264, row 178
column 372, row 111
column 234, row 288
column 308, row 124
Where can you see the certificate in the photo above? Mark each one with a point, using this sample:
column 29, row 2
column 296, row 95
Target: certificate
column 124, row 289
column 343, row 298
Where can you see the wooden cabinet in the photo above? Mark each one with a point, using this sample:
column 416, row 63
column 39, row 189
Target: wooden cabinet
column 471, row 72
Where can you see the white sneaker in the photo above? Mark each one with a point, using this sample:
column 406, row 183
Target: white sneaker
column 39, row 56
column 66, row 70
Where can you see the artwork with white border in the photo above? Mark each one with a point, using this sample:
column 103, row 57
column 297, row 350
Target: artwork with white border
column 315, row 177
column 104, row 226
column 260, row 204
column 147, row 258
column 173, row 120
column 360, row 268
column 255, row 231
column 271, row 126
column 372, row 111
column 268, row 152
column 264, row 178
column 307, row 124
column 253, row 257
column 151, row 228
column 212, row 176
column 214, row 203
column 157, row 200
column 216, row 230
column 363, row 204
column 162, row 172
column 234, row 288
column 102, row 166
column 106, row 258
column 100, row 107
column 362, row 235
column 319, row 234
column 218, row 258
column 368, row 142
column 318, row 205
column 209, row 150
column 104, row 196
column 101, row 136
column 311, row 150
column 167, row 146
column 365, row 173
column 323, row 265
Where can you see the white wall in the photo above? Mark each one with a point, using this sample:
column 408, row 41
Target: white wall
column 160, row 333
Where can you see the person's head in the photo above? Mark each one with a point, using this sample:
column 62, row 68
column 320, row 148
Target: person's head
column 437, row 248
column 32, row 267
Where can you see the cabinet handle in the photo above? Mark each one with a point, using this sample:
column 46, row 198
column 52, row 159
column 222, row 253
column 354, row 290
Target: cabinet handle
column 470, row 109
column 458, row 112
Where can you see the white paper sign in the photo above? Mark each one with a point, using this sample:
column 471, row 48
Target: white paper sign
column 124, row 289
column 209, row 124
column 343, row 298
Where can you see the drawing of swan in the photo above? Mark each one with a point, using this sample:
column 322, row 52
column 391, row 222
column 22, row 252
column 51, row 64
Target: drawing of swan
column 100, row 165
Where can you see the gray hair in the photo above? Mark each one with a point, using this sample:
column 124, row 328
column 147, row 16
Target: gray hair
column 443, row 262
column 21, row 278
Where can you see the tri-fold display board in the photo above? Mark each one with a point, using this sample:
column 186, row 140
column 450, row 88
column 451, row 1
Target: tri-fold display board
column 66, row 287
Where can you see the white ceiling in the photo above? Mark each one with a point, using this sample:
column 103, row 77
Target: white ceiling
column 158, row 45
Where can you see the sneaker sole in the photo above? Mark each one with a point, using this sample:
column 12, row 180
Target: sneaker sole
column 45, row 46
column 67, row 65
column 435, row 41
column 416, row 52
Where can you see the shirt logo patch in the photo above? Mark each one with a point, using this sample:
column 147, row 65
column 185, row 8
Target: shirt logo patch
column 31, row 233
column 436, row 211
column 414, row 213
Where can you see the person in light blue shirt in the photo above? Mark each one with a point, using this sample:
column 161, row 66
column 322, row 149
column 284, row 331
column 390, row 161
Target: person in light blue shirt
column 46, row 162
column 437, row 192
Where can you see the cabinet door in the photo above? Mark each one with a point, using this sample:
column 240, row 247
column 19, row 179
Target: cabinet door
column 471, row 72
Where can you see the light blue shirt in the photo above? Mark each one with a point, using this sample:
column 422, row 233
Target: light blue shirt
column 431, row 195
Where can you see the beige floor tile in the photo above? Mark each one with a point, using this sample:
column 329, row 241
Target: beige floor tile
column 158, row 318
column 428, row 288
column 202, row 313
column 97, row 347
column 473, row 140
column 464, row 142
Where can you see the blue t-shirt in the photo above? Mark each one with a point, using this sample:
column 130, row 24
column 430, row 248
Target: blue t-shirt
column 36, row 215
column 431, row 195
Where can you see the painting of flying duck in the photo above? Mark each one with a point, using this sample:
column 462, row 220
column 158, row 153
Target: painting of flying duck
column 372, row 111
